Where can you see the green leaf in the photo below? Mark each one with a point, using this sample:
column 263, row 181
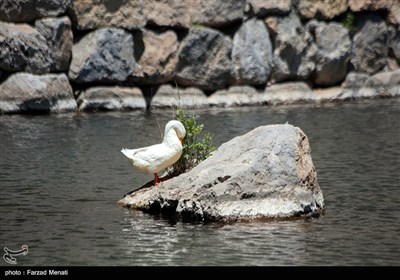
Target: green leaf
column 196, row 147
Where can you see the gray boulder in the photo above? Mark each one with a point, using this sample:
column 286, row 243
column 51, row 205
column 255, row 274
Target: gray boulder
column 89, row 14
column 334, row 48
column 23, row 48
column 266, row 173
column 204, row 59
column 252, row 53
column 216, row 13
column 104, row 55
column 111, row 98
column 159, row 58
column 29, row 10
column 295, row 51
column 24, row 92
column 262, row 8
column 58, row 34
column 370, row 45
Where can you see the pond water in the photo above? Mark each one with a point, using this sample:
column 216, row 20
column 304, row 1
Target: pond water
column 62, row 175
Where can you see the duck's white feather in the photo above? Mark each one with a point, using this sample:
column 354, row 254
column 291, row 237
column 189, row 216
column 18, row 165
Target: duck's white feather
column 157, row 157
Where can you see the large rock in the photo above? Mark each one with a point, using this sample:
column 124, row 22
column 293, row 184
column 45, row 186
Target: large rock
column 262, row 8
column 111, row 98
column 252, row 53
column 158, row 61
column 370, row 45
column 295, row 51
column 167, row 13
column 204, row 59
column 23, row 48
column 334, row 48
column 104, row 55
column 29, row 10
column 24, row 92
column 266, row 173
column 58, row 34
column 216, row 13
column 89, row 14
column 321, row 9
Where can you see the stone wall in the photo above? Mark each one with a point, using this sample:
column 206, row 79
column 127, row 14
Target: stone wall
column 68, row 55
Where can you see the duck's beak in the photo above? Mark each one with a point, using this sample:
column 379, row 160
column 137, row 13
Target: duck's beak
column 181, row 139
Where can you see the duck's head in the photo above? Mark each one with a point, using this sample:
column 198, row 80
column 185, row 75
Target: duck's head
column 178, row 127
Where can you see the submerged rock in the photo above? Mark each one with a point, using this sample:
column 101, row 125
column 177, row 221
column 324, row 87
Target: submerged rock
column 266, row 173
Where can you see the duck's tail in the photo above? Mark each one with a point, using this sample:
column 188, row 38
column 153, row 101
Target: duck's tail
column 129, row 154
column 126, row 152
column 137, row 163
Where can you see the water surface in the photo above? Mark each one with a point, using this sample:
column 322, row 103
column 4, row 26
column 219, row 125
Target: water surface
column 61, row 176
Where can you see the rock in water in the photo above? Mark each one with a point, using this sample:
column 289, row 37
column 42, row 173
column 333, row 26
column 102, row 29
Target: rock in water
column 266, row 173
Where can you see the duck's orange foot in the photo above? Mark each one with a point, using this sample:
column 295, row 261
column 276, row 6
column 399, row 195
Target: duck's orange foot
column 156, row 179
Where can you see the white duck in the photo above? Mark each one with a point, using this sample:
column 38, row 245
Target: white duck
column 155, row 158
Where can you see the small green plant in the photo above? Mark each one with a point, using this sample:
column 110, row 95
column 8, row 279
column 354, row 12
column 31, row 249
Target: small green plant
column 348, row 22
column 196, row 146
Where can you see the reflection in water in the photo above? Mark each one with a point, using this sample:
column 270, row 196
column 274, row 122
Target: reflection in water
column 61, row 175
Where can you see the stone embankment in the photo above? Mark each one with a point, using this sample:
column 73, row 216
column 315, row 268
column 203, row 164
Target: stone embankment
column 66, row 55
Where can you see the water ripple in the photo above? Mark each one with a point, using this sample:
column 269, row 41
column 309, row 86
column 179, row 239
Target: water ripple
column 61, row 175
